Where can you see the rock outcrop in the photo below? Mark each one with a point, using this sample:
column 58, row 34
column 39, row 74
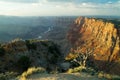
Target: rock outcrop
column 101, row 36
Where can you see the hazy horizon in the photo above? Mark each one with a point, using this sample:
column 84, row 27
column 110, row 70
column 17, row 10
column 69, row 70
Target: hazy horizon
column 59, row 7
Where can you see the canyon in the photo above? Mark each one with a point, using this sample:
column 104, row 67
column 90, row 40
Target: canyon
column 61, row 41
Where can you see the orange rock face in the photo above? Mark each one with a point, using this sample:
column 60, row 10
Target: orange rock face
column 96, row 34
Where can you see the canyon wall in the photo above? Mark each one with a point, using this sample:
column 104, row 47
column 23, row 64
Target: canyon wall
column 100, row 36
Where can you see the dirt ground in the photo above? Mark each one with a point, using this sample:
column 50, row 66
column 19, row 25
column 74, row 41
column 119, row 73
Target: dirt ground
column 64, row 76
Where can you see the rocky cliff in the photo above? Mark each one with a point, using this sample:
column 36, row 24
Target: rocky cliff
column 103, row 37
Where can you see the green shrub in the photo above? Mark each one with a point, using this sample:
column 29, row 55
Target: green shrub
column 24, row 62
column 2, row 51
column 117, row 78
column 30, row 45
column 54, row 49
column 8, row 75
column 44, row 43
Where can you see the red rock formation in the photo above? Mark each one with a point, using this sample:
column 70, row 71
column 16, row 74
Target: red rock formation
column 98, row 35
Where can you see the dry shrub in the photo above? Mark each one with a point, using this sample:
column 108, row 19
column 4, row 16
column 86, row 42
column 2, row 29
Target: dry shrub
column 76, row 69
column 31, row 71
column 108, row 76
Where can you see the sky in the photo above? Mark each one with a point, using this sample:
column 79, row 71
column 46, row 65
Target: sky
column 59, row 7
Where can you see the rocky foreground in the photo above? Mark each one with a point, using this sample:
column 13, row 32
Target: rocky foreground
column 64, row 76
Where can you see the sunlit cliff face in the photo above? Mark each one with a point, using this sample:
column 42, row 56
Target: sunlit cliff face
column 97, row 34
column 100, row 36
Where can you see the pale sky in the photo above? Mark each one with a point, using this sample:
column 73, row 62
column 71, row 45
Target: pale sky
column 59, row 7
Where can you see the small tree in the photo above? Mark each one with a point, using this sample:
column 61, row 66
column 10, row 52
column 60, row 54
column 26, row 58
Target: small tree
column 80, row 56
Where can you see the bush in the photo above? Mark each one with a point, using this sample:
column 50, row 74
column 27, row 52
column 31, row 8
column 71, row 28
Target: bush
column 76, row 69
column 30, row 45
column 55, row 53
column 44, row 43
column 2, row 51
column 108, row 76
column 24, row 62
column 8, row 75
